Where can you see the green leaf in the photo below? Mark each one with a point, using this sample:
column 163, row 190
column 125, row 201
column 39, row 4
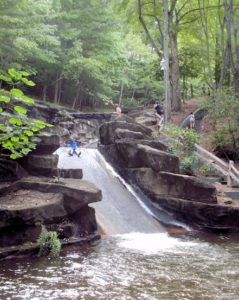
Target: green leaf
column 14, row 74
column 20, row 109
column 28, row 82
column 5, row 99
column 35, row 129
column 15, row 121
column 24, row 73
column 16, row 93
column 25, row 151
column 1, row 110
column 15, row 156
column 15, row 139
column 28, row 132
column 27, row 100
column 7, row 145
column 5, row 78
column 24, row 138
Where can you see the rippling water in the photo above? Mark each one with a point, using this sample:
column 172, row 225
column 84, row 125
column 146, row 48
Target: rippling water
column 129, row 266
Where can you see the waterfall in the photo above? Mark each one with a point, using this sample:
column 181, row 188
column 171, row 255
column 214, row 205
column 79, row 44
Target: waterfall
column 122, row 209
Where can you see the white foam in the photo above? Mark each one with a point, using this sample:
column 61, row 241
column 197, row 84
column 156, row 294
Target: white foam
column 153, row 243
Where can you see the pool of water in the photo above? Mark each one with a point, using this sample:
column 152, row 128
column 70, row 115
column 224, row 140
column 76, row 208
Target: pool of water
column 129, row 266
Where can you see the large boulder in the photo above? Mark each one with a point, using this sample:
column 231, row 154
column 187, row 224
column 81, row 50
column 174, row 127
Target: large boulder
column 125, row 133
column 159, row 145
column 187, row 187
column 44, row 165
column 27, row 207
column 201, row 215
column 48, row 144
column 10, row 170
column 60, row 206
column 156, row 184
column 143, row 156
column 76, row 193
column 108, row 134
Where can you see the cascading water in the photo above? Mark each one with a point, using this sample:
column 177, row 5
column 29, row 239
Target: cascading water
column 121, row 209
column 147, row 264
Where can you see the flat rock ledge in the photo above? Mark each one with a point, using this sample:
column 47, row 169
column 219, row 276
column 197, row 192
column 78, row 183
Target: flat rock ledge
column 28, row 203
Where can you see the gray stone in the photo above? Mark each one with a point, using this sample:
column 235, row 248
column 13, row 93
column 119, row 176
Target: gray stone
column 40, row 164
column 49, row 143
column 200, row 215
column 25, row 207
column 125, row 133
column 140, row 156
column 107, row 131
column 69, row 173
column 77, row 193
column 187, row 187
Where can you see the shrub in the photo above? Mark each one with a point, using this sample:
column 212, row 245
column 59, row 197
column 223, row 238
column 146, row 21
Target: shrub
column 49, row 243
column 223, row 112
column 182, row 144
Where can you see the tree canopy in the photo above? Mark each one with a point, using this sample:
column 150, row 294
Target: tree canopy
column 88, row 53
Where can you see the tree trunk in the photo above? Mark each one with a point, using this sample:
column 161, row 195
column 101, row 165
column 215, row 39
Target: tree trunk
column 236, row 80
column 56, row 91
column 175, row 74
column 44, row 92
column 167, row 113
column 121, row 92
column 76, row 98
column 217, row 71
column 192, row 93
column 59, row 91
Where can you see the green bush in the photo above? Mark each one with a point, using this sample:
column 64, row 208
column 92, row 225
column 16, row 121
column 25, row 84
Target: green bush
column 182, row 144
column 49, row 243
column 223, row 112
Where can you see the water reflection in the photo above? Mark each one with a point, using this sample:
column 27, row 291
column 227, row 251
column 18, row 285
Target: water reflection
column 129, row 266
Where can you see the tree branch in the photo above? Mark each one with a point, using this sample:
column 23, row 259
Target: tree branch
column 159, row 53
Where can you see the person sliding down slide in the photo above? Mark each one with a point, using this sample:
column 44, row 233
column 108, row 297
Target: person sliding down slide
column 73, row 143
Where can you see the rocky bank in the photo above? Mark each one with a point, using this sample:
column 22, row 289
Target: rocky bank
column 145, row 163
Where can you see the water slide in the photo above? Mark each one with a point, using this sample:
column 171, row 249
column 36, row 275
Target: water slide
column 121, row 209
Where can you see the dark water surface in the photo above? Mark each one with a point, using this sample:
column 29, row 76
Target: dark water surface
column 129, row 266
column 136, row 260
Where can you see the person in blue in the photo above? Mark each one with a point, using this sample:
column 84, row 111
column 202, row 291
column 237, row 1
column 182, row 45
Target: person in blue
column 73, row 143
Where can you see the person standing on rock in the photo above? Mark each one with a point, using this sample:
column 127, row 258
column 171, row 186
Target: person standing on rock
column 191, row 121
column 158, row 114
column 118, row 109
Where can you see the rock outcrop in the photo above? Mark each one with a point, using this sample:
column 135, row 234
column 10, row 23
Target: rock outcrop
column 146, row 163
column 41, row 194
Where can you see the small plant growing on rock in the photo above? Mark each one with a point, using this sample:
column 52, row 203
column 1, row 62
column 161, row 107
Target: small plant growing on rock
column 49, row 243
column 182, row 144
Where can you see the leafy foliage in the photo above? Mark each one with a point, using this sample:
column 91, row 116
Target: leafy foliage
column 223, row 113
column 49, row 243
column 17, row 130
column 182, row 144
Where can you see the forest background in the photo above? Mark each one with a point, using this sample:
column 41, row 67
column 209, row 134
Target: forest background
column 93, row 53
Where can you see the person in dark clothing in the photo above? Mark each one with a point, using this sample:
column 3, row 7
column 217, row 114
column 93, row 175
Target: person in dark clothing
column 158, row 114
column 73, row 143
